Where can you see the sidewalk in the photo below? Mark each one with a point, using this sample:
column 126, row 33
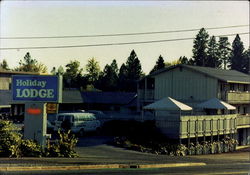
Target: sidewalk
column 120, row 159
column 33, row 167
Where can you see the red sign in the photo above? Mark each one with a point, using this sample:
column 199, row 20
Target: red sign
column 34, row 111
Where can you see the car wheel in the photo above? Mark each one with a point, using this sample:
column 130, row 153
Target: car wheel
column 81, row 133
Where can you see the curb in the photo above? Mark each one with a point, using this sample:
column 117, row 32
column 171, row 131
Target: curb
column 89, row 167
column 242, row 147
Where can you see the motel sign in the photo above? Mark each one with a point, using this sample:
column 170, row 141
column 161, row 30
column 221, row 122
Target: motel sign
column 36, row 91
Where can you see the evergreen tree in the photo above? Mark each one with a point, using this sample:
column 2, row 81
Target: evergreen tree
column 133, row 65
column 200, row 48
column 183, row 60
column 72, row 74
column 247, row 60
column 29, row 64
column 237, row 60
column 122, row 78
column 159, row 64
column 133, row 72
column 4, row 65
column 59, row 71
column 108, row 80
column 212, row 54
column 224, row 51
column 93, row 70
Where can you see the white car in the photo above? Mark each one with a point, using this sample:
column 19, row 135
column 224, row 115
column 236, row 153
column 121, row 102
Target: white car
column 78, row 123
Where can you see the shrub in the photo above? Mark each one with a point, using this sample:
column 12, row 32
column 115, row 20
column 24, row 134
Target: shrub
column 30, row 148
column 10, row 140
column 64, row 147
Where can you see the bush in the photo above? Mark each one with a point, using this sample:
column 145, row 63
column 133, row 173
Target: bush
column 10, row 140
column 12, row 144
column 64, row 147
column 30, row 148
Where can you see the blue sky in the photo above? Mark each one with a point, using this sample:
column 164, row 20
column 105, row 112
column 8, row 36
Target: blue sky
column 58, row 18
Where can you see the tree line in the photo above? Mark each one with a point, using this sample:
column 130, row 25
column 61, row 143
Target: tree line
column 207, row 51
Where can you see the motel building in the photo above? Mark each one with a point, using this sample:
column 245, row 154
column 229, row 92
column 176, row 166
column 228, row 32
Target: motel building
column 117, row 104
column 188, row 103
column 195, row 104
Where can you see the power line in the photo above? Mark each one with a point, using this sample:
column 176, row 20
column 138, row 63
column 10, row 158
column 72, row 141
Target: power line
column 110, row 44
column 117, row 34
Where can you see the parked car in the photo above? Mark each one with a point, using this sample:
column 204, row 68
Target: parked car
column 101, row 116
column 78, row 123
column 50, row 127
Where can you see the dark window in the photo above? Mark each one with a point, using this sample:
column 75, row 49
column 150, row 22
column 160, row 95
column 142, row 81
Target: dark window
column 245, row 110
column 238, row 108
column 232, row 87
column 150, row 83
column 60, row 118
column 245, row 87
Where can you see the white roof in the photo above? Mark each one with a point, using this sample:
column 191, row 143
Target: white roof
column 168, row 103
column 215, row 103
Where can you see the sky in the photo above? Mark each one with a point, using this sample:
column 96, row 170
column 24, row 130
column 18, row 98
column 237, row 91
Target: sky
column 78, row 18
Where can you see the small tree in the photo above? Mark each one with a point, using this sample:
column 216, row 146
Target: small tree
column 108, row 80
column 29, row 64
column 159, row 64
column 183, row 60
column 72, row 74
column 93, row 70
column 4, row 65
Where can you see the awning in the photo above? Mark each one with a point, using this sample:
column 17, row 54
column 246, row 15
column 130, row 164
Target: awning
column 168, row 104
column 215, row 103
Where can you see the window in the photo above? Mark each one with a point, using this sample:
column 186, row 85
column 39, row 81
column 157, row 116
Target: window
column 245, row 87
column 232, row 87
column 245, row 110
column 238, row 109
column 60, row 118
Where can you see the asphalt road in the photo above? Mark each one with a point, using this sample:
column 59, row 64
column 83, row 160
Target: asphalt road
column 93, row 150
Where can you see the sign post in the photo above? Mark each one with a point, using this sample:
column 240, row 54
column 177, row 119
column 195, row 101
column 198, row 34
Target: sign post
column 35, row 91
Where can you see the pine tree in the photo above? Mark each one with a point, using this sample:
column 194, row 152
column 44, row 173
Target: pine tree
column 122, row 78
column 72, row 74
column 93, row 70
column 108, row 80
column 28, row 64
column 212, row 54
column 200, row 48
column 237, row 60
column 133, row 65
column 224, row 51
column 247, row 60
column 4, row 65
column 159, row 64
column 130, row 73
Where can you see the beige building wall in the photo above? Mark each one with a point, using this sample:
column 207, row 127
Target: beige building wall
column 5, row 83
column 185, row 84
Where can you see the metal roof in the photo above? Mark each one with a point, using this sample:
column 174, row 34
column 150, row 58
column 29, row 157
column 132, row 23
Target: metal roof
column 168, row 103
column 215, row 103
column 75, row 96
column 230, row 76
